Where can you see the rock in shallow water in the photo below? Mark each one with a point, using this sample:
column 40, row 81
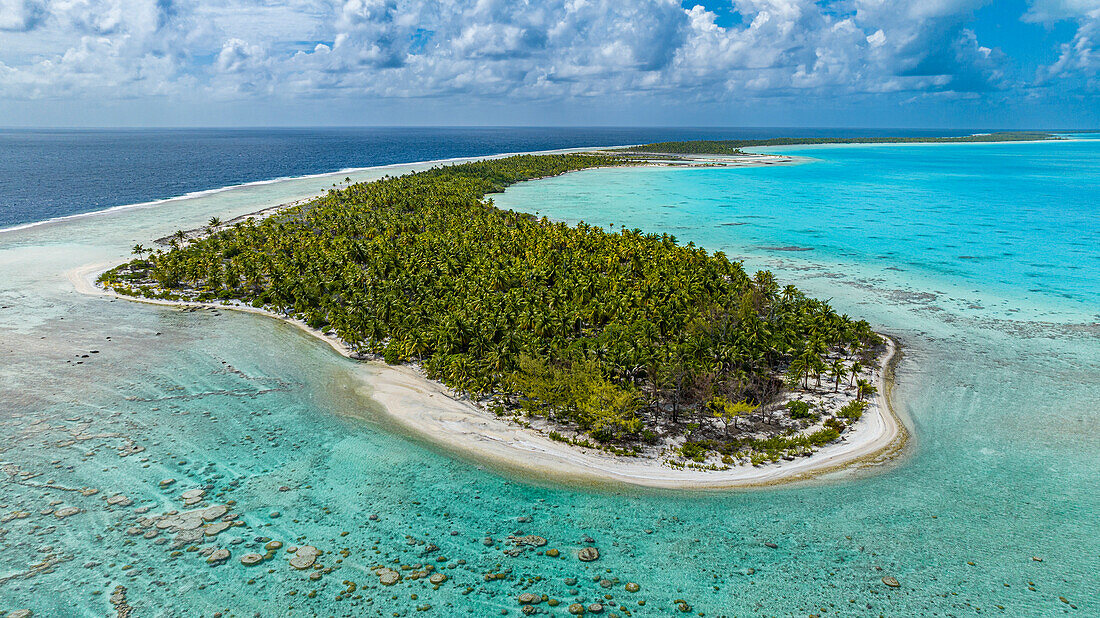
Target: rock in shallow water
column 251, row 559
column 588, row 554
column 304, row 557
column 218, row 556
column 891, row 581
column 188, row 523
column 189, row 536
column 216, row 528
column 531, row 539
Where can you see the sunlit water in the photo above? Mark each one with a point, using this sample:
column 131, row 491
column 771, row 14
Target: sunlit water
column 981, row 259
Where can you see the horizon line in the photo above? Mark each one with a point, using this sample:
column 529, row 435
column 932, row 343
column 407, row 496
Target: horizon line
column 533, row 126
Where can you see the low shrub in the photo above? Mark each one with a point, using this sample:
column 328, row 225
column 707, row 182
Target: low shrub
column 853, row 410
column 694, row 451
column 800, row 409
column 821, row 437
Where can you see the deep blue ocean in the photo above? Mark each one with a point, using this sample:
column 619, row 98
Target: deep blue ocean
column 46, row 174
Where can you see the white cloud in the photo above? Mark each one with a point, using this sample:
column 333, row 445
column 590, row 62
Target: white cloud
column 237, row 56
column 519, row 49
column 1049, row 11
column 1078, row 60
column 21, row 15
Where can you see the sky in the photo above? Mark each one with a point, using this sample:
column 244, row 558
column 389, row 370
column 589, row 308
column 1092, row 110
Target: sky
column 781, row 63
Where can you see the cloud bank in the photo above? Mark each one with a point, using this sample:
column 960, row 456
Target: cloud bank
column 532, row 50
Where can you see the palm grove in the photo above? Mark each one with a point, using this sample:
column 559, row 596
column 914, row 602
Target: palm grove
column 618, row 334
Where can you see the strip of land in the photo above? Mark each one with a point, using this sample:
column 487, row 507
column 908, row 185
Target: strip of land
column 720, row 160
column 568, row 352
column 733, row 147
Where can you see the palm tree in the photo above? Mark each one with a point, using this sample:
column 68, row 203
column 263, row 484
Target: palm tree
column 214, row 222
column 864, row 390
column 838, row 371
column 790, row 293
column 798, row 368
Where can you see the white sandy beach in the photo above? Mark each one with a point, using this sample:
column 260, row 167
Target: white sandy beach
column 428, row 410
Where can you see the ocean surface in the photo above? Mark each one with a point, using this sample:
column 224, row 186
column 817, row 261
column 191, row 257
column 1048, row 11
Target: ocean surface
column 982, row 259
column 46, row 174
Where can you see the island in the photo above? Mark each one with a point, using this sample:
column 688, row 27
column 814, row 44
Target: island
column 614, row 354
column 733, row 147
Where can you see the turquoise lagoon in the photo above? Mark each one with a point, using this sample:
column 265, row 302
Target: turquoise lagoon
column 982, row 259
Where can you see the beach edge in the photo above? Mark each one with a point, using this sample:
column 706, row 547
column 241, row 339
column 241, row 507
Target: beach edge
column 428, row 411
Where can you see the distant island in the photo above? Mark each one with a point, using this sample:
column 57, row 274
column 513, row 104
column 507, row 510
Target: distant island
column 733, row 147
column 614, row 340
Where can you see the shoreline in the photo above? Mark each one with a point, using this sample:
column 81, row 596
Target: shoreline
column 732, row 161
column 428, row 411
column 257, row 183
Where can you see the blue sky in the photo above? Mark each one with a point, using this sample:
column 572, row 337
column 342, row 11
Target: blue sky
column 873, row 63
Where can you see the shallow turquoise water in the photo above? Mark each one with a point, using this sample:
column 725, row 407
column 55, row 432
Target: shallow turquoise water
column 982, row 259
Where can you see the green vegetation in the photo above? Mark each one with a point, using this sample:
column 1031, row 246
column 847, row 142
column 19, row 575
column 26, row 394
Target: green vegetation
column 852, row 411
column 729, row 411
column 731, row 147
column 578, row 391
column 800, row 410
column 865, row 390
column 786, row 444
column 620, row 335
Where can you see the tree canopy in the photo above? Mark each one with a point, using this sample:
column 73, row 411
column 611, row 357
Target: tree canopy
column 606, row 329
